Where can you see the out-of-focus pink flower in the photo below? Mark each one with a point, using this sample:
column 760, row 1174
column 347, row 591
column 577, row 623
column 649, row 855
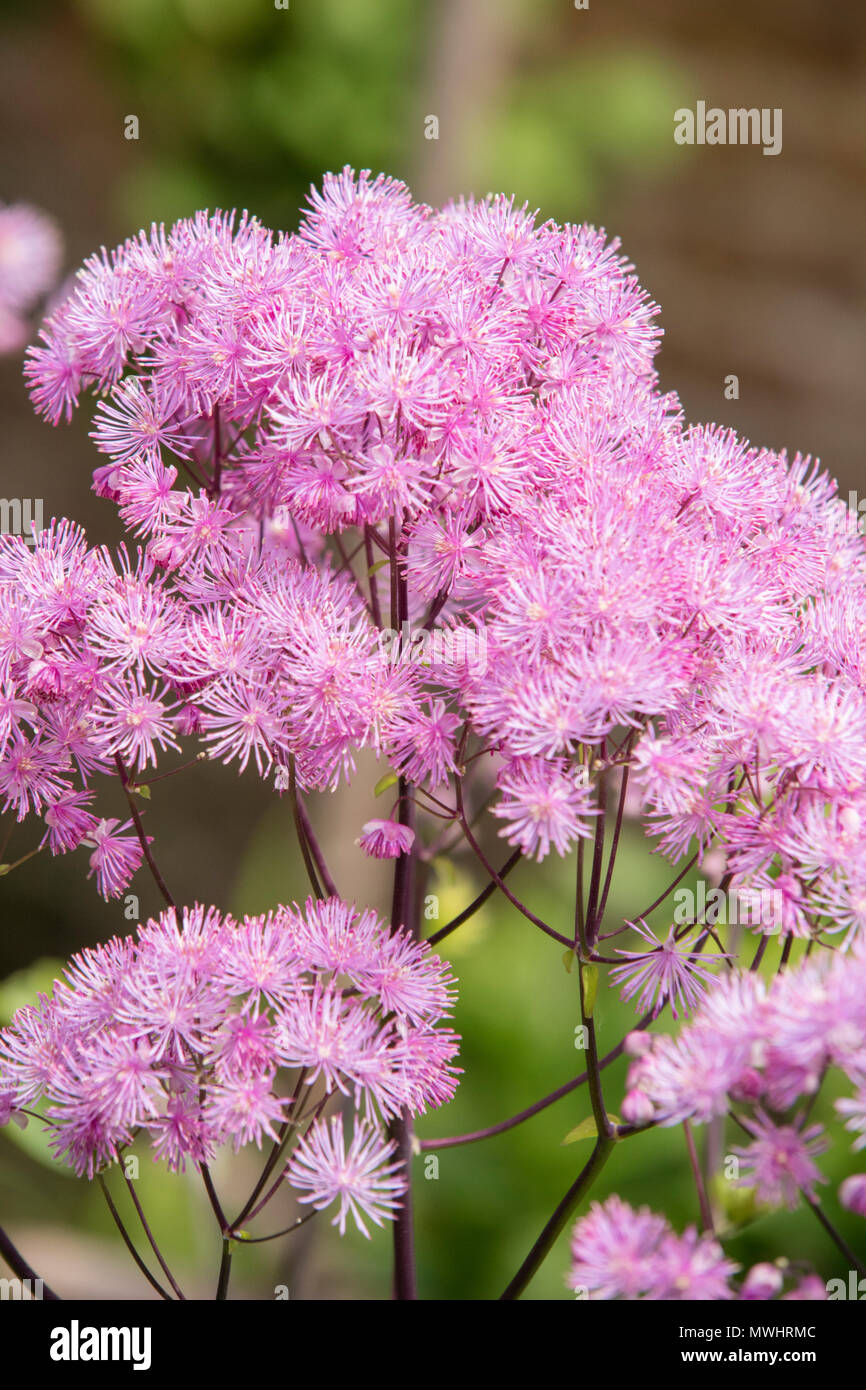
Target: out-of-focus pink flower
column 30, row 251
column 762, row 1281
column 852, row 1193
column 620, row 1252
column 779, row 1161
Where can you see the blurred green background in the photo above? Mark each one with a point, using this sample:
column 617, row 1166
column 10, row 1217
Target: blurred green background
column 757, row 263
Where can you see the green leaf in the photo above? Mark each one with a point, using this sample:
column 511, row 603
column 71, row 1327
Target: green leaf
column 374, row 569
column 568, row 960
column 589, row 979
column 389, row 780
column 585, row 1130
column 143, row 791
column 739, row 1205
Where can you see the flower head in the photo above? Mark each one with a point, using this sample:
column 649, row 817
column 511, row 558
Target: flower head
column 361, row 1176
column 779, row 1161
column 187, row 1031
column 671, row 971
column 618, row 1252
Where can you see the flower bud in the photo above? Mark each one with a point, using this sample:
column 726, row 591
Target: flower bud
column 852, row 1194
column 637, row 1108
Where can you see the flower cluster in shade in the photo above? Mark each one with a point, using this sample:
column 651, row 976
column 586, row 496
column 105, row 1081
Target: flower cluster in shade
column 619, row 1252
column 467, row 395
column 760, row 1051
column 30, row 253
column 189, row 1036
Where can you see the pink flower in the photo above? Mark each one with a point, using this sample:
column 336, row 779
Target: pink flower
column 68, row 822
column 637, row 1107
column 116, row 856
column 181, row 1133
column 245, row 1109
column 763, row 1281
column 544, row 805
column 618, row 1252
column 30, row 251
column 187, row 1033
column 611, row 1249
column 386, row 839
column 145, row 492
column 423, row 746
column 473, row 394
column 239, row 721
column 134, row 722
column 361, row 1176
column 54, row 375
column 778, row 1164
column 672, row 971
column 333, row 935
column 408, row 978
column 329, row 1036
column 691, row 1267
column 29, row 775
column 138, row 424
column 852, row 1193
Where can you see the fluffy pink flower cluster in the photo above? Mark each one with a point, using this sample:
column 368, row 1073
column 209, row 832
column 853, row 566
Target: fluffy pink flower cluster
column 761, row 1050
column 400, row 418
column 186, row 1035
column 470, row 395
column 30, row 251
column 620, row 1252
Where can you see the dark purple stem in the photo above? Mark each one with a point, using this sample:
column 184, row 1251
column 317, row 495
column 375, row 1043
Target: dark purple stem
column 139, row 830
column 453, row 1141
column 21, row 1268
column 476, row 902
